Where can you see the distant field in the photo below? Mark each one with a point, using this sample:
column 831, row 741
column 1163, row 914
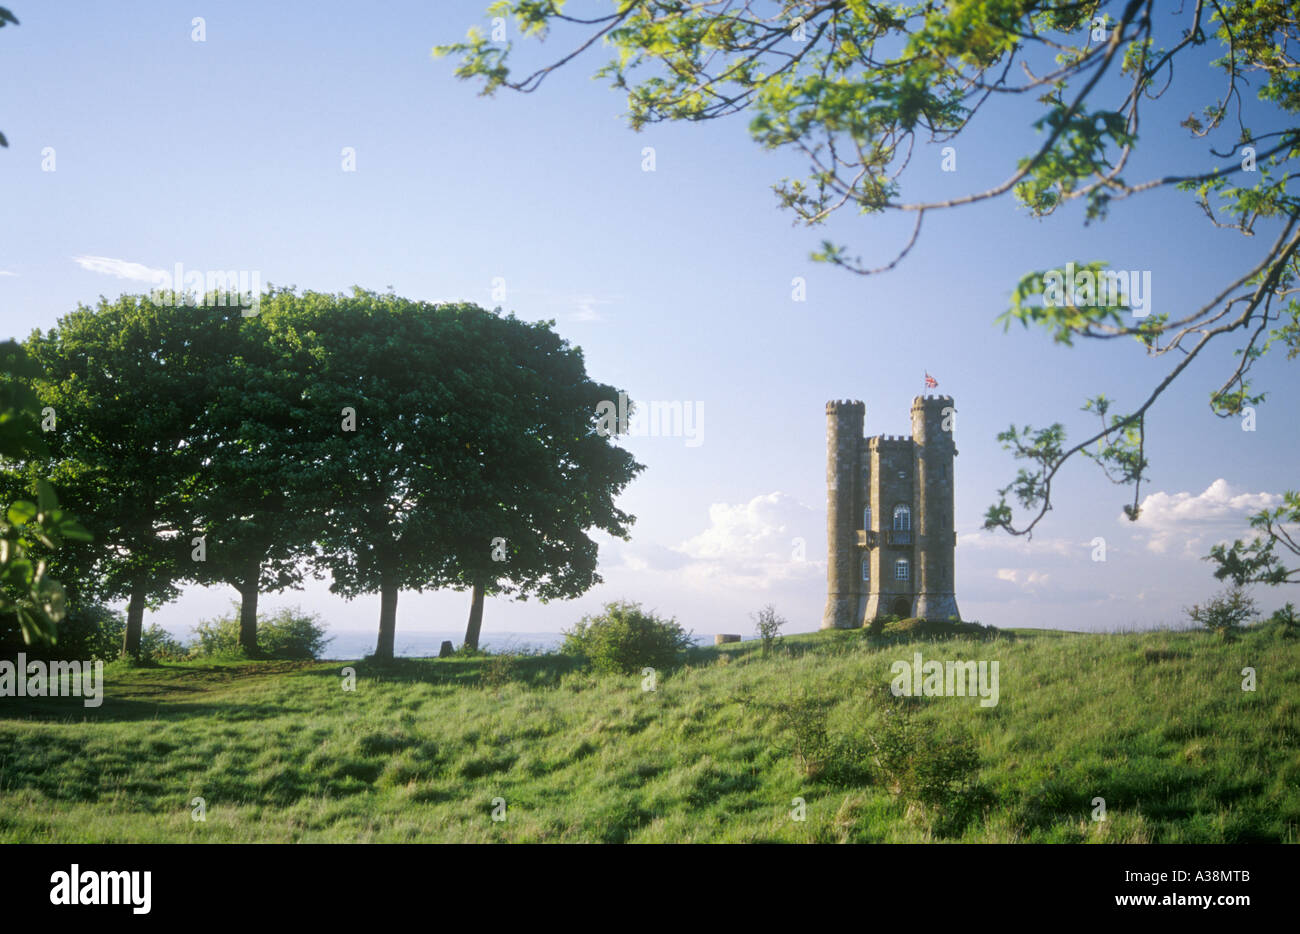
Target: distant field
column 1155, row 723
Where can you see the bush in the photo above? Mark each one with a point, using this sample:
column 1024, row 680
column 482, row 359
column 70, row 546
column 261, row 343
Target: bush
column 803, row 717
column 288, row 633
column 1224, row 613
column 218, row 637
column 1285, row 618
column 625, row 639
column 937, row 772
column 291, row 633
column 93, row 631
column 502, row 668
column 157, row 645
column 768, row 627
column 90, row 631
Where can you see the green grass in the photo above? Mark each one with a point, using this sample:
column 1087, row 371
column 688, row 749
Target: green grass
column 1155, row 723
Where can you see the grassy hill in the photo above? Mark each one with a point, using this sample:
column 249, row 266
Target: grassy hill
column 1155, row 723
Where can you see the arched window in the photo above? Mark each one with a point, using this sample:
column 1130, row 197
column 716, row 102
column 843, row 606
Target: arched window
column 866, row 518
column 902, row 518
column 901, row 569
column 866, row 569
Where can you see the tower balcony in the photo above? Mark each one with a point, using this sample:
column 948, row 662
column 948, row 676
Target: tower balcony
column 866, row 538
column 899, row 536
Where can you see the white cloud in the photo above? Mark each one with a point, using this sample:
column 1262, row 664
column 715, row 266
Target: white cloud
column 760, row 530
column 648, row 556
column 1218, row 512
column 6, row 272
column 745, row 547
column 1028, row 580
column 119, row 268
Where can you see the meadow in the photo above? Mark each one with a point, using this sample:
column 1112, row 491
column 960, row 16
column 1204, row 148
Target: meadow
column 1156, row 723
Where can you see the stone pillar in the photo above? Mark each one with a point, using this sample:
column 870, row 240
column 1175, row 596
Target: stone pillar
column 844, row 421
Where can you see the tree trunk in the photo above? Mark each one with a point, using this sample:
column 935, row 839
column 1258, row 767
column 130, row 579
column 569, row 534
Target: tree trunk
column 134, row 623
column 248, row 616
column 475, row 618
column 387, row 619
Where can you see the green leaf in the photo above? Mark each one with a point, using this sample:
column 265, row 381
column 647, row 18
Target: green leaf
column 45, row 497
column 22, row 512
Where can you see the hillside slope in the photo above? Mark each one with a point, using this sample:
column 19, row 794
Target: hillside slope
column 1157, row 724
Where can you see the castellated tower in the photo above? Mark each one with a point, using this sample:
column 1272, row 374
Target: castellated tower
column 932, row 428
column 844, row 422
column 889, row 516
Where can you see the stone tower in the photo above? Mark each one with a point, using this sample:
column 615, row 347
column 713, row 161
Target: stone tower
column 844, row 592
column 889, row 516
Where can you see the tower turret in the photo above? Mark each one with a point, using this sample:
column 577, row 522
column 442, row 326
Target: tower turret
column 933, row 422
column 844, row 421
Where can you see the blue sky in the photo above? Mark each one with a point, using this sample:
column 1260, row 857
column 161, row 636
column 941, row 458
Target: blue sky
column 227, row 154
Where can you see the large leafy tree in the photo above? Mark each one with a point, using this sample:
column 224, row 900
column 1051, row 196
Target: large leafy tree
column 541, row 476
column 856, row 86
column 129, row 383
column 444, row 427
column 382, row 419
column 257, row 501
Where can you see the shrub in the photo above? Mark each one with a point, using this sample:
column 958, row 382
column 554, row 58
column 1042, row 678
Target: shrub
column 937, row 772
column 291, row 633
column 1224, row 613
column 288, row 633
column 218, row 636
column 1285, row 618
column 803, row 718
column 89, row 631
column 625, row 639
column 768, row 627
column 94, row 631
column 158, row 645
column 502, row 668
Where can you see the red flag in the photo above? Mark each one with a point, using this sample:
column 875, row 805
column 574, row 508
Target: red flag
column 930, row 381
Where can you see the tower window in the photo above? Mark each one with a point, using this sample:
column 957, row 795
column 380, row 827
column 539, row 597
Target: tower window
column 901, row 569
column 902, row 518
column 866, row 519
column 866, row 569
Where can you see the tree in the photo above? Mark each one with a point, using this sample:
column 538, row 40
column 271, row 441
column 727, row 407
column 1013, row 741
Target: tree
column 854, row 86
column 129, row 383
column 1263, row 559
column 444, row 427
column 256, row 497
column 541, row 474
column 37, row 600
column 767, row 625
column 6, row 18
column 384, row 397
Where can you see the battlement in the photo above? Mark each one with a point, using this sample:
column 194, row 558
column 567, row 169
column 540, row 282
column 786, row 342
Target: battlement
column 920, row 401
column 889, row 441
column 845, row 405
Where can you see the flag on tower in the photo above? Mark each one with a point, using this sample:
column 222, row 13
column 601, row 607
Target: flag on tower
column 930, row 381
